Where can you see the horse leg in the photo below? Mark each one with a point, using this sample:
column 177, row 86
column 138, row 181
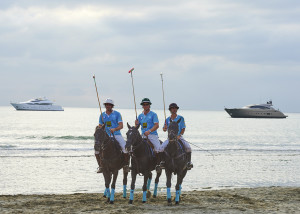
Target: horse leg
column 148, row 185
column 169, row 175
column 133, row 179
column 113, row 186
column 178, row 187
column 107, row 177
column 156, row 184
column 146, row 176
column 125, row 174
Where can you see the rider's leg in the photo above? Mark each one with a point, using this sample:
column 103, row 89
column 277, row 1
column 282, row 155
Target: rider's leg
column 122, row 143
column 188, row 150
column 158, row 149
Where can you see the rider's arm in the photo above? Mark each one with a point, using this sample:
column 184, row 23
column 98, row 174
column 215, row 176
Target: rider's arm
column 182, row 131
column 154, row 128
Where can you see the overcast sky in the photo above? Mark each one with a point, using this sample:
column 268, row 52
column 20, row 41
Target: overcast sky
column 213, row 53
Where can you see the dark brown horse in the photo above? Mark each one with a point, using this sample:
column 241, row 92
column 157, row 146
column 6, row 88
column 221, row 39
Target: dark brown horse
column 143, row 161
column 112, row 159
column 176, row 161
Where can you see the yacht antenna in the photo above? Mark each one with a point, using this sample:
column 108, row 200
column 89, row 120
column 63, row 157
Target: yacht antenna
column 98, row 98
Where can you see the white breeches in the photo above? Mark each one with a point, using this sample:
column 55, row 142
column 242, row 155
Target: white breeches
column 121, row 142
column 155, row 141
column 185, row 143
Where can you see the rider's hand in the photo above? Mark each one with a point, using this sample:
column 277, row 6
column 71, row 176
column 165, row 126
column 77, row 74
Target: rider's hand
column 136, row 122
column 165, row 128
column 178, row 137
column 112, row 130
column 147, row 133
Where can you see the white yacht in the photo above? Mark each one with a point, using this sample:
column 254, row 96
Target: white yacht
column 256, row 111
column 38, row 104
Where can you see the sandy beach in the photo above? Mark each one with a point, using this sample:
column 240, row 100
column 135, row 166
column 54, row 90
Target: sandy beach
column 246, row 200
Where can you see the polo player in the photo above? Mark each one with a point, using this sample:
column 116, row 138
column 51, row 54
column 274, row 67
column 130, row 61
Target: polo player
column 113, row 121
column 173, row 108
column 149, row 125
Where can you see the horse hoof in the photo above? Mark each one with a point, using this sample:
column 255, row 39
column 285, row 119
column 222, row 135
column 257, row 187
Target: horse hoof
column 154, row 196
column 104, row 196
column 148, row 194
column 124, row 196
column 111, row 202
column 144, row 202
column 177, row 203
column 169, row 203
column 130, row 201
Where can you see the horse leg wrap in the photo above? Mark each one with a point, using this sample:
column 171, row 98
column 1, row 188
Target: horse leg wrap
column 180, row 189
column 131, row 194
column 124, row 191
column 108, row 193
column 177, row 195
column 112, row 196
column 155, row 190
column 144, row 196
column 104, row 194
column 148, row 184
column 168, row 193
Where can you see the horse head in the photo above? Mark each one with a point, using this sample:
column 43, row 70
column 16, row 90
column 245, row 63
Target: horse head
column 101, row 136
column 173, row 130
column 133, row 136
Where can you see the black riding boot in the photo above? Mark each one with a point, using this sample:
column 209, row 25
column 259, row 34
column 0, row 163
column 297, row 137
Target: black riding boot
column 158, row 159
column 189, row 163
column 126, row 161
column 98, row 158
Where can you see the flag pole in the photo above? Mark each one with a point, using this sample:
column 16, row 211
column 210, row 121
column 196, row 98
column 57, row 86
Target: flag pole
column 98, row 98
column 133, row 92
column 162, row 86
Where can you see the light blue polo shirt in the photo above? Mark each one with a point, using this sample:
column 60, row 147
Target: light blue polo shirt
column 111, row 121
column 147, row 121
column 181, row 125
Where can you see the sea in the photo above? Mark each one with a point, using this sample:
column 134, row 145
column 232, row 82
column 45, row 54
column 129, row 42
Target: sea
column 53, row 152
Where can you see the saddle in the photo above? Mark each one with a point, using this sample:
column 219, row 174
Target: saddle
column 149, row 148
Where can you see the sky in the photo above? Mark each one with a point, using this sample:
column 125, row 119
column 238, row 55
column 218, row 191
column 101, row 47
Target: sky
column 212, row 53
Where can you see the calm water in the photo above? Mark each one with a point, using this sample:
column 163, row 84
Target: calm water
column 52, row 152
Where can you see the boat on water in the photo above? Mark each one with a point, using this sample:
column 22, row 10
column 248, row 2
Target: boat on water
column 38, row 104
column 256, row 111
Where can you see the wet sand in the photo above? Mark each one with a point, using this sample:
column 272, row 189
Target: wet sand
column 244, row 200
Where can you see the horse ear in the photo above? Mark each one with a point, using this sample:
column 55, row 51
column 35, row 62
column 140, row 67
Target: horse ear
column 129, row 127
column 178, row 121
column 103, row 127
column 171, row 120
column 138, row 127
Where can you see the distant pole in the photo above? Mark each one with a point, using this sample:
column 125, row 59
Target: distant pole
column 98, row 97
column 133, row 91
column 162, row 86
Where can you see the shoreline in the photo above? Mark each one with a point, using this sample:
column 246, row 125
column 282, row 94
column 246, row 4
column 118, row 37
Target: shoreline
column 246, row 200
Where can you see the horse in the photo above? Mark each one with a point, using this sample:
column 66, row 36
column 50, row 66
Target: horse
column 175, row 161
column 112, row 159
column 143, row 161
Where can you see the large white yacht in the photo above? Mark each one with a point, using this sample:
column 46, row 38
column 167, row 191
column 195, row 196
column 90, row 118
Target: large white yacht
column 256, row 111
column 38, row 104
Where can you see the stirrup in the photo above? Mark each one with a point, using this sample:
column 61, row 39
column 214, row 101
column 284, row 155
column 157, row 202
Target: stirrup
column 126, row 168
column 100, row 170
column 189, row 165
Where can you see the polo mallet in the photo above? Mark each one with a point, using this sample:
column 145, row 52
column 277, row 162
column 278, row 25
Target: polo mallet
column 98, row 98
column 133, row 91
column 162, row 87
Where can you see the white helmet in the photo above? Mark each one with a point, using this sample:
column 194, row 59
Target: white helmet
column 109, row 101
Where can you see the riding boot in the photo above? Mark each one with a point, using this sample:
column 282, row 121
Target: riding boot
column 126, row 161
column 158, row 161
column 189, row 163
column 100, row 168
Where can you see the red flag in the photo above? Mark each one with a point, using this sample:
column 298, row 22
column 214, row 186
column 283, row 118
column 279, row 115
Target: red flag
column 131, row 70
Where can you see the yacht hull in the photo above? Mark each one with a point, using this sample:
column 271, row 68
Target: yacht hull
column 28, row 107
column 254, row 113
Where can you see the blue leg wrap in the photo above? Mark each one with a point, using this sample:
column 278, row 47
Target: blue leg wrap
column 112, row 196
column 148, row 184
column 107, row 193
column 144, row 196
column 155, row 189
column 131, row 194
column 177, row 195
column 124, row 191
column 104, row 194
column 180, row 189
column 168, row 193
